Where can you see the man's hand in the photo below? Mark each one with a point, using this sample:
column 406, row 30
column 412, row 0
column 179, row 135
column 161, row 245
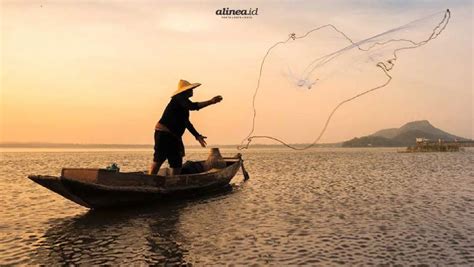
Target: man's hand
column 201, row 140
column 216, row 99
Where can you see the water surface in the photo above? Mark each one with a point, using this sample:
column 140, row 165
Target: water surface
column 315, row 207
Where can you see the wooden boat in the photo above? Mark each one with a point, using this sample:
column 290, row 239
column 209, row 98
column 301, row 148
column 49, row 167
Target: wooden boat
column 103, row 188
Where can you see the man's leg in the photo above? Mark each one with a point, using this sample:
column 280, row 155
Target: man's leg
column 159, row 155
column 155, row 167
column 175, row 171
column 176, row 162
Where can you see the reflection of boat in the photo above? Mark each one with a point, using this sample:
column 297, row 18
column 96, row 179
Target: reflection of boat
column 138, row 236
column 101, row 188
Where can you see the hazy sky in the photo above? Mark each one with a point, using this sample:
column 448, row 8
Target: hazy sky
column 103, row 71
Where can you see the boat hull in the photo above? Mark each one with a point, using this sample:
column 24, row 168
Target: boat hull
column 99, row 188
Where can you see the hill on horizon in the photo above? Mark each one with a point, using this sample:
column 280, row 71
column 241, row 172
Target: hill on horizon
column 404, row 136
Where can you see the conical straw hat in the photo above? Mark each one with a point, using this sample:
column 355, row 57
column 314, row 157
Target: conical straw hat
column 184, row 85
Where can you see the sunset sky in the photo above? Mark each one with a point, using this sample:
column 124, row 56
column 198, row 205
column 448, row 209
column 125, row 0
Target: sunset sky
column 103, row 71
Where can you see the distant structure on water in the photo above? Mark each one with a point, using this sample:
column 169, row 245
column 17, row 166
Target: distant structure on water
column 427, row 145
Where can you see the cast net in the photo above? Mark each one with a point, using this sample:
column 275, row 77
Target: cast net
column 305, row 79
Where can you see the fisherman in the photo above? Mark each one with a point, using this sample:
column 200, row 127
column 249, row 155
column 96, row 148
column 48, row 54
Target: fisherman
column 170, row 128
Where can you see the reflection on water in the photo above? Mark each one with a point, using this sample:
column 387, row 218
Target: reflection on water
column 111, row 237
column 317, row 207
column 133, row 236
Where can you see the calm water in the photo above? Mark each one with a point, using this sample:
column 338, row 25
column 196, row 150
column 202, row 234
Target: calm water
column 318, row 207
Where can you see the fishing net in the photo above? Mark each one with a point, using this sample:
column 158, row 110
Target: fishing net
column 304, row 79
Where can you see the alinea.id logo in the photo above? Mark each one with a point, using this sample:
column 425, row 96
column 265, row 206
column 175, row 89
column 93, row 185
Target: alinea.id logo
column 227, row 13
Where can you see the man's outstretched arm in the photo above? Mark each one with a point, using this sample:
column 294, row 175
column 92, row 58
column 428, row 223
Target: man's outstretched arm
column 212, row 101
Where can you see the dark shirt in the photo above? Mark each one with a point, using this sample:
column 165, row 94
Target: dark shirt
column 176, row 115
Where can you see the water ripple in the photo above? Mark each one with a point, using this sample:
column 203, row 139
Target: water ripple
column 317, row 207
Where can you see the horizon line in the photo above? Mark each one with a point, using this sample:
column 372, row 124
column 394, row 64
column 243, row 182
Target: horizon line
column 46, row 144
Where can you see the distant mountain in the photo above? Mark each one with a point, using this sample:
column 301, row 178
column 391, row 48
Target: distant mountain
column 387, row 133
column 403, row 136
column 371, row 141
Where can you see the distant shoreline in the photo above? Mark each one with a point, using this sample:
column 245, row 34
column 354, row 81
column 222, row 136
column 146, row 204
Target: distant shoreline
column 144, row 146
column 71, row 145
column 403, row 136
